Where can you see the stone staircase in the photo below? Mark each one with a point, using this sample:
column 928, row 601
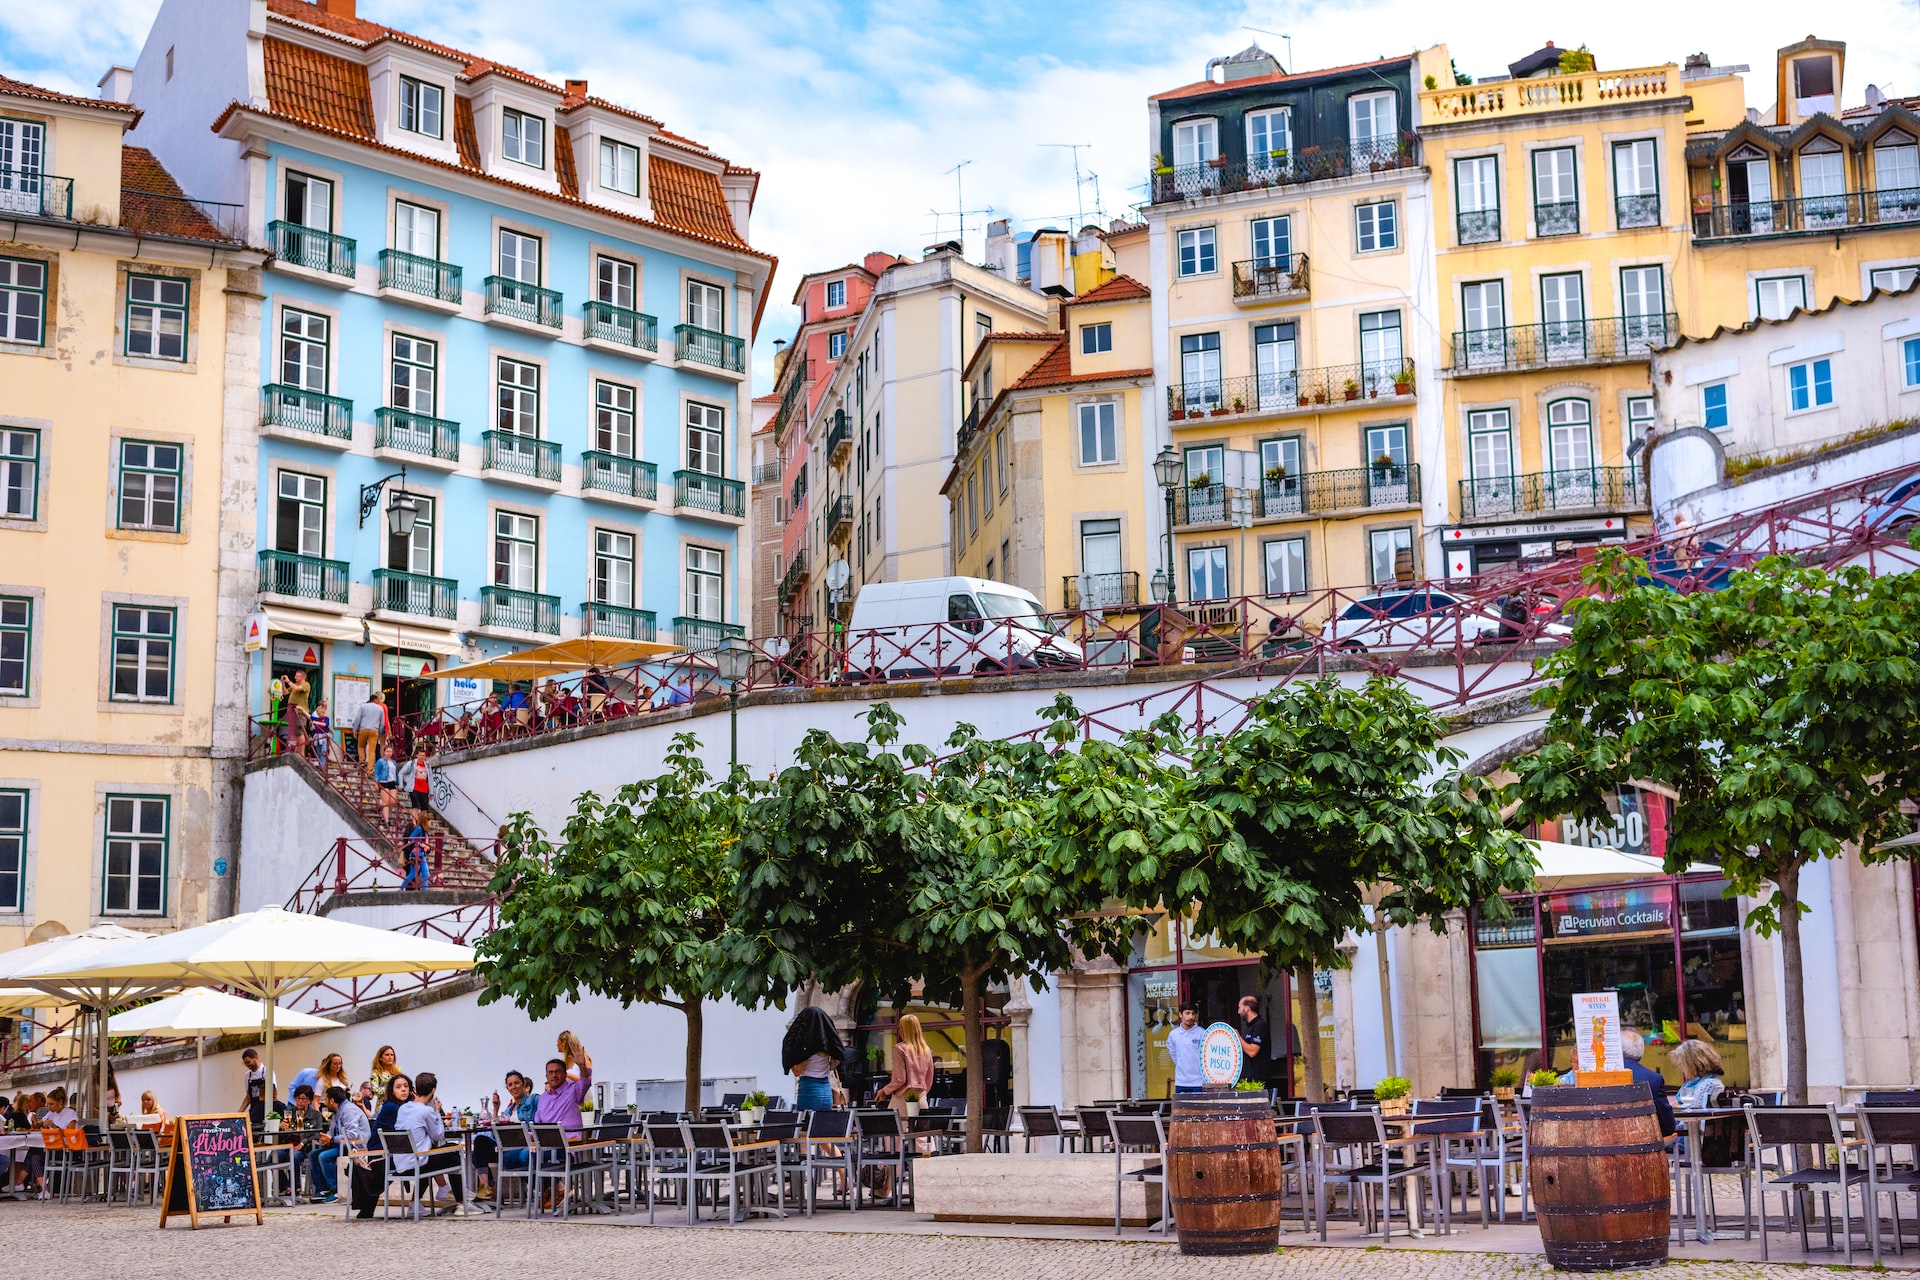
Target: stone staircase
column 462, row 865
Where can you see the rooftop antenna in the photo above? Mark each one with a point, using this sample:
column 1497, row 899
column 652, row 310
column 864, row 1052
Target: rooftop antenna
column 1281, row 35
column 1079, row 209
column 960, row 211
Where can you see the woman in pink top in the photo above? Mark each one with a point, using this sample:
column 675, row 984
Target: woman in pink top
column 912, row 1065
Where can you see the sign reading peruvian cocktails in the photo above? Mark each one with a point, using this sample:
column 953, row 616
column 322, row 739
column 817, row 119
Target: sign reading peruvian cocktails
column 1605, row 912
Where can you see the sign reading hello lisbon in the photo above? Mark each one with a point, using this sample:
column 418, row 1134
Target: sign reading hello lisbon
column 1608, row 912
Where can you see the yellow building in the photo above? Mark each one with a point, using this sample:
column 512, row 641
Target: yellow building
column 129, row 325
column 1049, row 486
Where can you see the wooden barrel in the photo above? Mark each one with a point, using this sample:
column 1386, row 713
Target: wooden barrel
column 1598, row 1173
column 1223, row 1174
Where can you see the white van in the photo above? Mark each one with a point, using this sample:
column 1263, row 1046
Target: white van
column 949, row 627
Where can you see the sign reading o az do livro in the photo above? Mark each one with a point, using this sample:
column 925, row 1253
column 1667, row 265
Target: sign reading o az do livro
column 1221, row 1056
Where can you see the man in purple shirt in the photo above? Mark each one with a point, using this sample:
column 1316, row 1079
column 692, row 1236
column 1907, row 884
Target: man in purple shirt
column 560, row 1104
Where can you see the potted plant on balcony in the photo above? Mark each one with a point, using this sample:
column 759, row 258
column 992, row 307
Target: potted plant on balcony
column 1239, row 405
column 1320, row 394
column 1403, row 382
column 1201, row 481
column 1391, row 1093
column 1351, row 388
column 1220, row 411
column 1218, row 162
column 1384, row 468
column 1276, row 475
column 1177, row 412
column 1503, row 1081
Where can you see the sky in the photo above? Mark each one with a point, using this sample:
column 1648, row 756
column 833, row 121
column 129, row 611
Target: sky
column 855, row 113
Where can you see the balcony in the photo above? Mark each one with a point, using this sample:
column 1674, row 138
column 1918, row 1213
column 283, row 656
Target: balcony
column 413, row 276
column 1307, row 164
column 619, row 476
column 527, row 303
column 1567, row 92
column 1312, row 390
column 283, row 573
column 839, row 437
column 1811, row 215
column 613, row 326
column 971, row 423
column 796, row 575
column 1633, row 212
column 698, row 491
column 1313, row 493
column 29, row 193
column 1476, row 226
column 797, row 380
column 310, row 250
column 519, row 610
column 515, row 456
column 702, row 633
column 416, row 434
column 1556, row 218
column 766, row 473
column 840, row 518
column 1102, row 590
column 616, row 621
column 704, row 346
column 398, row 591
column 1583, row 490
column 1263, row 280
column 1558, row 343
column 307, row 412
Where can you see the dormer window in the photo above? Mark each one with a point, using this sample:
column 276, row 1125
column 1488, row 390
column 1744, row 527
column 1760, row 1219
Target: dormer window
column 523, row 138
column 836, row 294
column 619, row 167
column 420, row 107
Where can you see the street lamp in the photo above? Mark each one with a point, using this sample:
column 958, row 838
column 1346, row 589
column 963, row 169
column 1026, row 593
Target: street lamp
column 1167, row 470
column 402, row 510
column 733, row 659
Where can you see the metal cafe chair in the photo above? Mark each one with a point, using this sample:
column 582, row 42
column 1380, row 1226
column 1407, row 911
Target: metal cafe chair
column 880, row 1144
column 1887, row 1130
column 1363, row 1159
column 1780, row 1137
column 830, row 1144
column 149, row 1165
column 669, row 1162
column 120, row 1161
column 1045, row 1122
column 558, row 1162
column 1140, row 1136
column 1094, row 1128
column 718, row 1159
column 398, row 1142
column 508, row 1138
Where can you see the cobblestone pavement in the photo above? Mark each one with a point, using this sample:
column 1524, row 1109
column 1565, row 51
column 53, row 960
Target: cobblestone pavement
column 300, row 1245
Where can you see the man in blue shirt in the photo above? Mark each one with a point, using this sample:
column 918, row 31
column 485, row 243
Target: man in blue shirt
column 1183, row 1046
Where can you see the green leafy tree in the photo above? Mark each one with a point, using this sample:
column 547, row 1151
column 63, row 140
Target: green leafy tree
column 633, row 904
column 1780, row 713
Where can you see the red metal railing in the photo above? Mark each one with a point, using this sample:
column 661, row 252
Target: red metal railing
column 362, row 866
column 462, row 924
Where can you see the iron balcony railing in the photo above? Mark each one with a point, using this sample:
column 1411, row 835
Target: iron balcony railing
column 1477, row 226
column 840, row 517
column 605, row 472
column 1575, row 489
column 168, row 213
column 1807, row 214
column 1309, row 494
column 521, row 301
column 283, row 573
column 621, row 326
column 797, row 380
column 398, row 591
column 1630, row 212
column 409, row 432
column 426, row 277
column 1306, row 164
column 704, row 346
column 698, row 491
column 1268, row 393
column 799, row 487
column 704, row 633
column 766, row 473
column 840, row 434
column 1556, row 218
column 33, row 194
column 1275, row 279
column 1563, row 342
column 1102, row 590
column 519, row 455
column 298, row 410
column 521, row 610
column 315, row 250
column 617, row 621
column 971, row 423
column 796, row 573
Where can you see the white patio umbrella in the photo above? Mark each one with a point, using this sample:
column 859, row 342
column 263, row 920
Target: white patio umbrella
column 273, row 953
column 200, row 1013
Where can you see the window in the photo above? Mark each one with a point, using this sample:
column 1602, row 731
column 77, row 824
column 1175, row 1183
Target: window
column 1385, row 547
column 13, row 847
column 1896, row 171
column 1812, row 81
column 613, row 568
column 150, row 486
column 1272, row 241
column 1275, row 358
column 1195, row 142
column 1387, row 445
column 1197, row 256
column 705, row 308
column 1483, row 318
column 1206, row 573
column 1713, row 406
column 619, row 167
column 523, row 138
column 704, row 569
column 300, row 514
column 613, row 418
column 1286, row 565
column 1570, row 439
column 420, row 104
column 1000, row 457
column 308, row 202
column 973, row 506
column 1810, row 385
column 1380, row 350
column 518, row 398
column 1372, row 126
column 1200, row 370
column 23, row 300
column 416, row 230
column 22, row 153
column 516, row 551
column 1563, row 315
column 1823, row 184
column 1643, row 307
column 134, row 879
column 1893, row 279
column 1556, row 195
column 1776, row 297
column 304, row 350
column 1096, row 339
column 16, row 647
column 157, row 317
column 1269, row 139
column 519, row 257
column 415, row 374
column 986, row 491
column 1490, row 445
column 1099, row 433
column 1910, row 363
column 982, row 326
column 413, row 553
column 836, row 345
column 1476, row 199
column 142, row 654
column 836, row 294
column 1375, row 226
column 19, row 474
column 1640, row 419
column 1636, row 184
column 706, row 438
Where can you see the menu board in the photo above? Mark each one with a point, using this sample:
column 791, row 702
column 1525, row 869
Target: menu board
column 210, row 1169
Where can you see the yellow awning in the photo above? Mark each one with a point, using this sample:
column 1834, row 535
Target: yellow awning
column 559, row 658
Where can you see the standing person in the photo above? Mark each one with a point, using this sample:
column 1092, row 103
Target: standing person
column 1256, row 1041
column 416, row 782
column 386, row 776
column 912, row 1065
column 331, row 1075
column 322, row 726
column 1183, row 1046
column 299, row 701
column 369, row 726
column 257, row 1095
column 810, row 1051
column 571, row 1052
column 386, row 1065
column 416, row 856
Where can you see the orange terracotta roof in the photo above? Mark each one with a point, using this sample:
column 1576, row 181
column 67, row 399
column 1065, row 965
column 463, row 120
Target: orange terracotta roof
column 152, row 203
column 1021, row 335
column 577, row 100
column 21, row 89
column 684, row 196
column 1200, row 87
column 1056, row 370
column 563, row 163
column 319, row 89
column 1118, row 289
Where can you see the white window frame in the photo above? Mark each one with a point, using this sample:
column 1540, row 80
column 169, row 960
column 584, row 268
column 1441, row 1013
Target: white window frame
column 422, row 103
column 1097, row 423
column 1096, row 339
column 523, row 138
column 1812, row 383
column 1200, row 247
column 1368, row 223
column 619, row 167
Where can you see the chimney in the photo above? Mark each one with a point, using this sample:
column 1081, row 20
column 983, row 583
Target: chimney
column 338, row 8
column 117, row 85
column 576, row 88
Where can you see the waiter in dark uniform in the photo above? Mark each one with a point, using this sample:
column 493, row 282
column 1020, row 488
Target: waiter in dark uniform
column 1256, row 1040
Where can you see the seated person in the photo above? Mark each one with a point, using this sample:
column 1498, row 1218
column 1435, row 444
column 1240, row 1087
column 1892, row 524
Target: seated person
column 419, row 1117
column 1700, row 1064
column 350, row 1131
column 519, row 1108
column 1633, row 1047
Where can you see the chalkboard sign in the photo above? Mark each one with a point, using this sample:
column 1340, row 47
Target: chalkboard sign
column 210, row 1169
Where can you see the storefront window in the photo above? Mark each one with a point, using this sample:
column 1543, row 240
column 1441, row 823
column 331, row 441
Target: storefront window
column 1711, row 976
column 1618, row 939
column 873, row 1040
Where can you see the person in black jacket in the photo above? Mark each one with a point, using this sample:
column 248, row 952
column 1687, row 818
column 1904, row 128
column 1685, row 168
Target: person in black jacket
column 1633, row 1048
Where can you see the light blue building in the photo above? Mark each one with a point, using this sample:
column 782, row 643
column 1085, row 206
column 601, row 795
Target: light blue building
column 503, row 346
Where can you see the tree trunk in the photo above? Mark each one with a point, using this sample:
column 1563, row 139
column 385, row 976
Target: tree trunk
column 973, row 982
column 1793, row 987
column 696, row 1037
column 1308, row 997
